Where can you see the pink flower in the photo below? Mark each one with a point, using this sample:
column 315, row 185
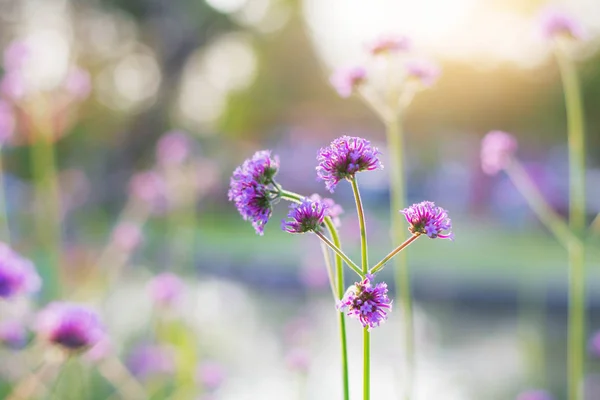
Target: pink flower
column 389, row 44
column 497, row 148
column 555, row 22
column 347, row 80
column 7, row 122
column 13, row 86
column 78, row 83
column 298, row 360
column 165, row 289
column 426, row 72
column 149, row 187
column 16, row 55
column 173, row 148
column 127, row 236
column 211, row 375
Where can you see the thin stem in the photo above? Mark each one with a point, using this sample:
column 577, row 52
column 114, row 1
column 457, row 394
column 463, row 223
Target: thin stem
column 365, row 267
column 340, row 253
column 329, row 267
column 538, row 204
column 291, row 196
column 577, row 215
column 398, row 235
column 341, row 318
column 379, row 266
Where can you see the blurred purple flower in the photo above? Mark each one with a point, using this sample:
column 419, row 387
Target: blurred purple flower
column 173, row 148
column 594, row 345
column 428, row 219
column 534, row 395
column 332, row 209
column 150, row 188
column 497, row 148
column 298, row 359
column 13, row 334
column 165, row 289
column 78, row 83
column 347, row 80
column 16, row 55
column 13, row 86
column 250, row 188
column 127, row 236
column 305, row 217
column 344, row 157
column 71, row 326
column 146, row 361
column 17, row 274
column 369, row 304
column 313, row 274
column 389, row 44
column 7, row 122
column 100, row 350
column 425, row 72
column 557, row 23
column 210, row 374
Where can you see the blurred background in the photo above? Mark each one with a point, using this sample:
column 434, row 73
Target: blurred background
column 216, row 80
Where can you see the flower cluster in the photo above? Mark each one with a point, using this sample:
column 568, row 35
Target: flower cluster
column 332, row 210
column 17, row 274
column 428, row 219
column 369, row 304
column 305, row 217
column 347, row 80
column 250, row 188
column 389, row 44
column 497, row 148
column 344, row 157
column 70, row 326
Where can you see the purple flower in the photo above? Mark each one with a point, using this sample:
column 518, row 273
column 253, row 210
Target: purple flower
column 369, row 304
column 146, row 361
column 556, row 23
column 594, row 345
column 210, row 374
column 534, row 395
column 13, row 86
column 344, row 157
column 251, row 188
column 332, row 210
column 16, row 55
column 100, row 350
column 425, row 72
column 389, row 44
column 78, row 83
column 165, row 289
column 347, row 80
column 298, row 359
column 173, row 148
column 150, row 188
column 71, row 326
column 497, row 148
column 426, row 218
column 305, row 217
column 127, row 236
column 13, row 334
column 7, row 122
column 17, row 274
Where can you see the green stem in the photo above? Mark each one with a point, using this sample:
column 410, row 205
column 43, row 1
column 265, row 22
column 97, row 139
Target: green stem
column 399, row 235
column 48, row 211
column 342, row 320
column 379, row 266
column 340, row 253
column 365, row 268
column 577, row 215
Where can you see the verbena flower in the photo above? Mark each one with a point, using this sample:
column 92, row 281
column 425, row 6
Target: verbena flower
column 17, row 274
column 389, row 44
column 13, row 334
column 70, row 326
column 534, row 395
column 344, row 157
column 165, row 289
column 497, row 148
column 347, row 80
column 146, row 361
column 424, row 72
column 250, row 188
column 557, row 23
column 333, row 209
column 367, row 303
column 305, row 217
column 428, row 219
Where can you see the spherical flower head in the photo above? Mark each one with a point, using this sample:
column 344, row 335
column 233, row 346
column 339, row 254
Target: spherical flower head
column 127, row 236
column 7, row 122
column 78, row 83
column 17, row 274
column 210, row 374
column 305, row 217
column 173, row 148
column 72, row 327
column 165, row 289
column 146, row 361
column 497, row 148
column 345, row 157
column 555, row 23
column 333, row 209
column 424, row 72
column 250, row 188
column 389, row 44
column 367, row 303
column 427, row 219
column 534, row 395
column 347, row 80
column 13, row 334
